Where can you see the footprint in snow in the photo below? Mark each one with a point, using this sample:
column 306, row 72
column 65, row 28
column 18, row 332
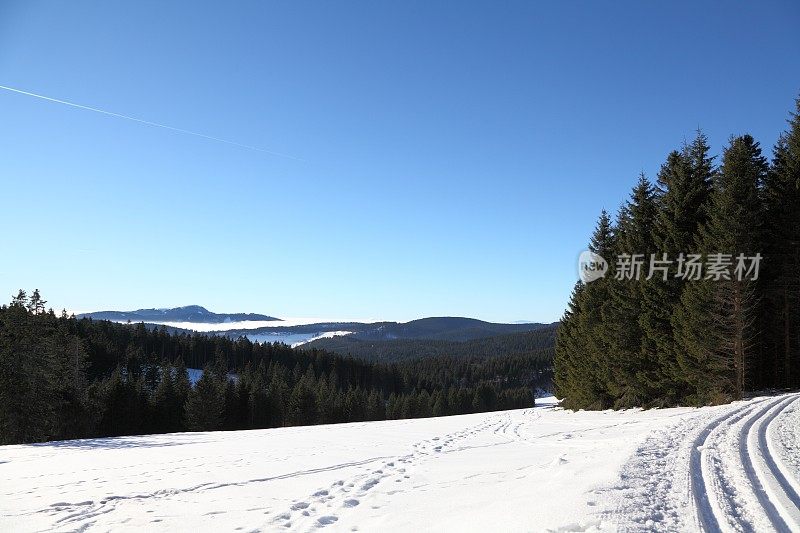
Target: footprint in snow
column 327, row 520
column 369, row 484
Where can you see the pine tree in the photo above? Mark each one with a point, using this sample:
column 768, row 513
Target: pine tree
column 591, row 370
column 205, row 405
column 632, row 380
column 119, row 400
column 568, row 380
column 36, row 304
column 584, row 374
column 231, row 406
column 20, row 300
column 258, row 402
column 440, row 404
column 182, row 387
column 484, row 398
column 393, row 407
column 781, row 311
column 303, row 408
column 30, row 377
column 375, row 407
column 684, row 195
column 277, row 394
column 715, row 320
column 76, row 416
column 424, row 405
column 164, row 400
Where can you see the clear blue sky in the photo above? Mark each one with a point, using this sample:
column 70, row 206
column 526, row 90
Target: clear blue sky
column 454, row 156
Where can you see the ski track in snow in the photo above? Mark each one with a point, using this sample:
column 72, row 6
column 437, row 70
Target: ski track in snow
column 723, row 469
column 726, row 468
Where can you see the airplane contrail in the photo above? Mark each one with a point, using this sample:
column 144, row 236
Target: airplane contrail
column 147, row 122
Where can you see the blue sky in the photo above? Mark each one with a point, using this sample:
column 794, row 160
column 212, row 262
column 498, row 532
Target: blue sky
column 453, row 160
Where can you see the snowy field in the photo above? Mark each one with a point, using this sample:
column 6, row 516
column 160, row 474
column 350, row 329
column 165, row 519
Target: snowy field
column 733, row 467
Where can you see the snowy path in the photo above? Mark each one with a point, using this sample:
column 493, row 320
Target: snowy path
column 726, row 468
column 775, row 504
column 718, row 471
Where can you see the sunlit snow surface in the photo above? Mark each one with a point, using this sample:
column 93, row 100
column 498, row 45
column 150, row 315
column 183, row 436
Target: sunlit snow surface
column 524, row 470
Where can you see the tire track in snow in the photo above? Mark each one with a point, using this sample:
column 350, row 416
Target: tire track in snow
column 772, row 444
column 774, row 490
column 785, row 443
column 703, row 484
column 714, row 492
column 693, row 475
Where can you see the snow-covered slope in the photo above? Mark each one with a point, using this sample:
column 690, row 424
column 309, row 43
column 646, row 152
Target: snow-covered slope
column 526, row 470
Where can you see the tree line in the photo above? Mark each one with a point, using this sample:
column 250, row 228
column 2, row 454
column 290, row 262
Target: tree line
column 672, row 340
column 64, row 378
column 541, row 340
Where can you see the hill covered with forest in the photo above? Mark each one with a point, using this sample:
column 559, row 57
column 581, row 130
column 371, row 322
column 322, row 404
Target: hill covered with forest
column 540, row 342
column 62, row 377
column 188, row 314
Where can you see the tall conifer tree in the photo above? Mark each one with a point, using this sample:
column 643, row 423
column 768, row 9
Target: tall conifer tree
column 632, row 367
column 781, row 312
column 716, row 318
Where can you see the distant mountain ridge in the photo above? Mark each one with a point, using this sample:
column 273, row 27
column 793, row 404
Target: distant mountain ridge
column 442, row 328
column 372, row 340
column 188, row 313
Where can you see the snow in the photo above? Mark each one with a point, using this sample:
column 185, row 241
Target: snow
column 713, row 469
column 293, row 339
column 325, row 335
column 195, row 374
column 524, row 470
column 787, row 440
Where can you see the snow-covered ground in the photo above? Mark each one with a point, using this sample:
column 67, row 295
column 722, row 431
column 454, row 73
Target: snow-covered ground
column 324, row 335
column 194, row 375
column 295, row 339
column 732, row 467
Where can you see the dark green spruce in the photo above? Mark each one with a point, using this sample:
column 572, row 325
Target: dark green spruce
column 675, row 340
